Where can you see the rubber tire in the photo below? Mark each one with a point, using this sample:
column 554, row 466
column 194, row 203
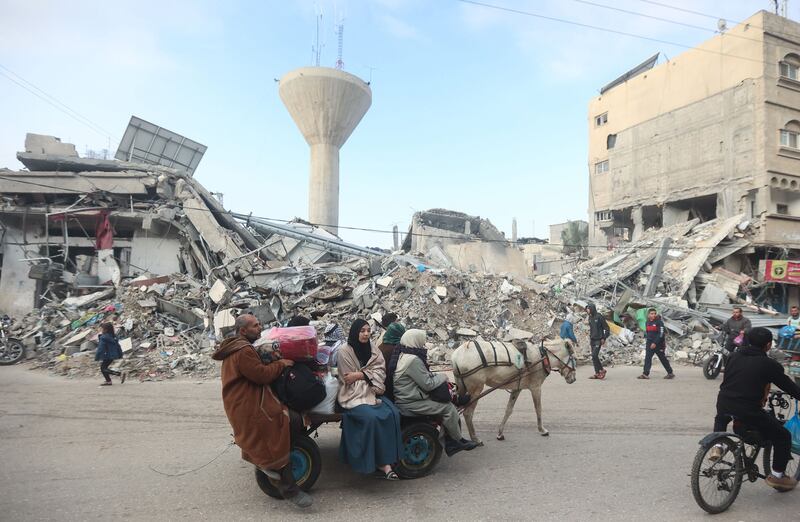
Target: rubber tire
column 21, row 356
column 307, row 447
column 708, row 372
column 695, row 480
column 767, row 462
column 406, row 469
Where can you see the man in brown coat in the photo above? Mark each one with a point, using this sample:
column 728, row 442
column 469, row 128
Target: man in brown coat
column 261, row 424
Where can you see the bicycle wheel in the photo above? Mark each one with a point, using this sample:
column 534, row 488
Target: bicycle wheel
column 792, row 468
column 716, row 483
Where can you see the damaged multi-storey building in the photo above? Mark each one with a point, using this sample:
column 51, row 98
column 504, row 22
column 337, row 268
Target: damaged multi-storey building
column 712, row 132
column 79, row 223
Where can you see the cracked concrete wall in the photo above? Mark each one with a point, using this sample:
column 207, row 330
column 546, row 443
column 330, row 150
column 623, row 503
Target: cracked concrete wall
column 17, row 290
column 689, row 152
column 155, row 253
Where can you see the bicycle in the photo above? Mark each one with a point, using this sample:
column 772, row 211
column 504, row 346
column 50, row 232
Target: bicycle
column 716, row 482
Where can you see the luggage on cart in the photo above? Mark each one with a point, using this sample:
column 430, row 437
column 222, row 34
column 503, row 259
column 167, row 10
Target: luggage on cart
column 297, row 343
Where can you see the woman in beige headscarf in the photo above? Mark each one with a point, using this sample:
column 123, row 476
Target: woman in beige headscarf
column 371, row 437
column 413, row 382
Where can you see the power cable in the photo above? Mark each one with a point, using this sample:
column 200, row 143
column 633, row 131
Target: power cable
column 689, row 11
column 606, row 30
column 645, row 15
column 52, row 100
column 666, row 20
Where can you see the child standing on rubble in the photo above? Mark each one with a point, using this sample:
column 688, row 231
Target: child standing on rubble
column 108, row 350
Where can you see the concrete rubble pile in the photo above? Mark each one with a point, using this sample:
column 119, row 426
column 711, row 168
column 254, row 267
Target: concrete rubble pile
column 688, row 271
column 148, row 248
column 144, row 246
column 453, row 306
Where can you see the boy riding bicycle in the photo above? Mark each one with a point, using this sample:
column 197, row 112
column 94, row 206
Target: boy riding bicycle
column 748, row 374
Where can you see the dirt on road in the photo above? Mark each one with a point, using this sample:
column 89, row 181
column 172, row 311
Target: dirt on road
column 618, row 450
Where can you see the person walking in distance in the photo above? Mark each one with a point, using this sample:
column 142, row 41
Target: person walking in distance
column 108, row 350
column 598, row 333
column 735, row 329
column 567, row 331
column 655, row 344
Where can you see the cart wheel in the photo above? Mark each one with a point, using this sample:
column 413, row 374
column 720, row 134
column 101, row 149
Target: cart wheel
column 421, row 450
column 306, row 465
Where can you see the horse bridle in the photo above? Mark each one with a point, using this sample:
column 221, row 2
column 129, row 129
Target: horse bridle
column 571, row 364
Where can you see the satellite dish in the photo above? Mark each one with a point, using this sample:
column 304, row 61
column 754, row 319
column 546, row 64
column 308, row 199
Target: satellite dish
column 722, row 25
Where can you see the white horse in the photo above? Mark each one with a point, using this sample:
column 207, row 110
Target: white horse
column 510, row 366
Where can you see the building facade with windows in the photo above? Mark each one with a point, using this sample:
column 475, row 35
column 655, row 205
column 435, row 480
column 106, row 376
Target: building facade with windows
column 712, row 132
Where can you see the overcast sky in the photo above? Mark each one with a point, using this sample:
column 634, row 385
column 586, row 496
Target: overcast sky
column 476, row 110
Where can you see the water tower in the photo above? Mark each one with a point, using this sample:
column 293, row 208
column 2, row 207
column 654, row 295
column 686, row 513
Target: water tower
column 326, row 104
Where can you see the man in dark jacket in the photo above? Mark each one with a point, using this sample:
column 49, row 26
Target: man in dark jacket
column 655, row 344
column 748, row 375
column 598, row 333
column 737, row 325
column 261, row 424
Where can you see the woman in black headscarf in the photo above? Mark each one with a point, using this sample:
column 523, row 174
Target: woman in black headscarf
column 370, row 424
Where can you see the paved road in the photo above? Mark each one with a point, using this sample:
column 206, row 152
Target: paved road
column 618, row 450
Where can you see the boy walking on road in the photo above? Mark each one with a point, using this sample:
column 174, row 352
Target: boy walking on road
column 656, row 344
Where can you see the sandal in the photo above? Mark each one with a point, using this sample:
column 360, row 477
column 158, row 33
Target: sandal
column 595, row 376
column 643, row 376
column 391, row 475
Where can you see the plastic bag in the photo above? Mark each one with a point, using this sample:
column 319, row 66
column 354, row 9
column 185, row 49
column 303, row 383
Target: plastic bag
column 328, row 404
column 738, row 340
column 787, row 332
column 793, row 425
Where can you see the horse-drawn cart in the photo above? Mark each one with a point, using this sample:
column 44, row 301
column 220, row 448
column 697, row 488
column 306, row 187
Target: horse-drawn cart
column 422, row 450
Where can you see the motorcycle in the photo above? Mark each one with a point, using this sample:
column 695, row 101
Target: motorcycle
column 718, row 360
column 11, row 349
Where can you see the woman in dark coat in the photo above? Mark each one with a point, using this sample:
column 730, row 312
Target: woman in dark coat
column 108, row 350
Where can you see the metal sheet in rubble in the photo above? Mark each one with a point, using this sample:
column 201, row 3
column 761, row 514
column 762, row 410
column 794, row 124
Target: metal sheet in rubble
column 146, row 142
column 722, row 314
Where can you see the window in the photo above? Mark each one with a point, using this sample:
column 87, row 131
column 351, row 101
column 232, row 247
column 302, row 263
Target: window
column 788, row 139
column 611, row 140
column 789, row 135
column 601, row 119
column 782, row 208
column 603, row 215
column 601, row 167
column 790, row 67
column 790, row 70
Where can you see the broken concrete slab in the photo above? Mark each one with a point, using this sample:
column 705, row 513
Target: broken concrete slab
column 517, row 334
column 219, row 292
column 126, row 345
column 223, row 322
column 85, row 300
column 712, row 294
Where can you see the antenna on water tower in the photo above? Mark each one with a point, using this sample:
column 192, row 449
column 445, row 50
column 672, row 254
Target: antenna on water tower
column 340, row 37
column 316, row 49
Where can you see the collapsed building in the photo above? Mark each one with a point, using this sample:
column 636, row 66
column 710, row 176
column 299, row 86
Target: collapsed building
column 468, row 243
column 704, row 135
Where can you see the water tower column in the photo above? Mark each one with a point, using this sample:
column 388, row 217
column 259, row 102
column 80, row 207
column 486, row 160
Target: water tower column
column 323, row 187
